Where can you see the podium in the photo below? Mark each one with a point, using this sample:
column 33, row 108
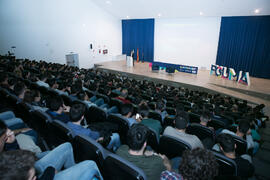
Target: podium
column 129, row 61
column 72, row 60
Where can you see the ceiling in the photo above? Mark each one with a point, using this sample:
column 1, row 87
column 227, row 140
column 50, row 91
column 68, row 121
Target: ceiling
column 133, row 9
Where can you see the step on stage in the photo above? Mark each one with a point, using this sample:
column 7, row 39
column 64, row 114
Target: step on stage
column 258, row 92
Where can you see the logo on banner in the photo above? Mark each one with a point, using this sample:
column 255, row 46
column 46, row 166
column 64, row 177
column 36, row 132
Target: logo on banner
column 230, row 74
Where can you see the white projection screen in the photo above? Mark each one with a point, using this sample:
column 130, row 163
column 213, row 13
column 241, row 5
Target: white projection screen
column 187, row 41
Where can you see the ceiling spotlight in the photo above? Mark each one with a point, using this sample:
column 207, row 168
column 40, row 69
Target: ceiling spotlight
column 201, row 13
column 256, row 11
column 159, row 15
column 108, row 2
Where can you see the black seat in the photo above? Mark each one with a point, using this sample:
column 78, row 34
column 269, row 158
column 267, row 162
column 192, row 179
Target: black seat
column 170, row 111
column 216, row 124
column 123, row 125
column 23, row 111
column 67, row 100
column 117, row 168
column 168, row 121
column 200, row 131
column 85, row 148
column 172, row 147
column 116, row 102
column 194, row 118
column 61, row 132
column 155, row 115
column 170, row 104
column 104, row 97
column 227, row 166
column 241, row 145
column 95, row 114
column 153, row 139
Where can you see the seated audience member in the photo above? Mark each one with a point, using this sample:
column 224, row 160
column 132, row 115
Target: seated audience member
column 57, row 109
column 22, row 164
column 148, row 122
column 227, row 146
column 197, row 164
column 160, row 108
column 29, row 97
column 4, row 81
column 82, row 95
column 127, row 111
column 19, row 90
column 151, row 163
column 76, row 114
column 179, row 132
column 180, row 111
column 12, row 82
column 61, row 90
column 75, row 89
column 123, row 96
column 42, row 81
column 243, row 131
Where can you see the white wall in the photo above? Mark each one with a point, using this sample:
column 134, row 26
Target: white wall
column 50, row 29
column 187, row 41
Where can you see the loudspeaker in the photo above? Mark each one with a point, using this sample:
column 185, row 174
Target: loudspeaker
column 170, row 69
column 155, row 67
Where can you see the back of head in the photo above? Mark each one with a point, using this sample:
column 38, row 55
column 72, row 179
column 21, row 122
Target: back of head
column 19, row 88
column 126, row 108
column 160, row 105
column 28, row 97
column 75, row 88
column 55, row 103
column 81, row 95
column 15, row 165
column 76, row 112
column 180, row 122
column 137, row 136
column 198, row 164
column 243, row 126
column 226, row 142
column 144, row 111
column 3, row 77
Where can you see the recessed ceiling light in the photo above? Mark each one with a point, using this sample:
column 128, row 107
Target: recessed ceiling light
column 201, row 13
column 108, row 2
column 159, row 15
column 256, row 11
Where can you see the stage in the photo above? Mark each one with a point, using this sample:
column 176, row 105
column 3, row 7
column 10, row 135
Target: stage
column 258, row 92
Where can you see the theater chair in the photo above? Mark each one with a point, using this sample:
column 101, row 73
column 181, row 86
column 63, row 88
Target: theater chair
column 241, row 145
column 201, row 132
column 123, row 125
column 168, row 121
column 227, row 166
column 61, row 132
column 216, row 124
column 67, row 100
column 194, row 118
column 117, row 168
column 23, row 111
column 95, row 114
column 116, row 102
column 155, row 115
column 85, row 148
column 152, row 139
column 172, row 147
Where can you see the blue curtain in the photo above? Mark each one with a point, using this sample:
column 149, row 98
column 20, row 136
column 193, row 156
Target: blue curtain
column 138, row 34
column 244, row 44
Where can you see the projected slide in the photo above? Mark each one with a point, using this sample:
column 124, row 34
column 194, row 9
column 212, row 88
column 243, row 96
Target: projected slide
column 187, row 41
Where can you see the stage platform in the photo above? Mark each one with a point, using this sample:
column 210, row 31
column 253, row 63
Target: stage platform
column 258, row 92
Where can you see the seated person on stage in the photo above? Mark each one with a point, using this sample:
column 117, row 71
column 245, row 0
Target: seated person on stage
column 123, row 96
column 227, row 146
column 149, row 122
column 197, row 164
column 77, row 112
column 243, row 131
column 58, row 109
column 179, row 132
column 151, row 163
column 127, row 111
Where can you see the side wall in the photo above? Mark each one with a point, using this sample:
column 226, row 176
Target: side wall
column 48, row 30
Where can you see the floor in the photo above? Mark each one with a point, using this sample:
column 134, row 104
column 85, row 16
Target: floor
column 258, row 92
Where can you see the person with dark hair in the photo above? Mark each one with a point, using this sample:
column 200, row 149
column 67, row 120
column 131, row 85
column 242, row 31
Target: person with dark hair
column 151, row 163
column 4, row 80
column 76, row 115
column 243, row 131
column 23, row 165
column 57, row 109
column 160, row 108
column 127, row 111
column 227, row 146
column 180, row 132
column 75, row 89
column 19, row 90
column 123, row 96
column 149, row 122
column 197, row 164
